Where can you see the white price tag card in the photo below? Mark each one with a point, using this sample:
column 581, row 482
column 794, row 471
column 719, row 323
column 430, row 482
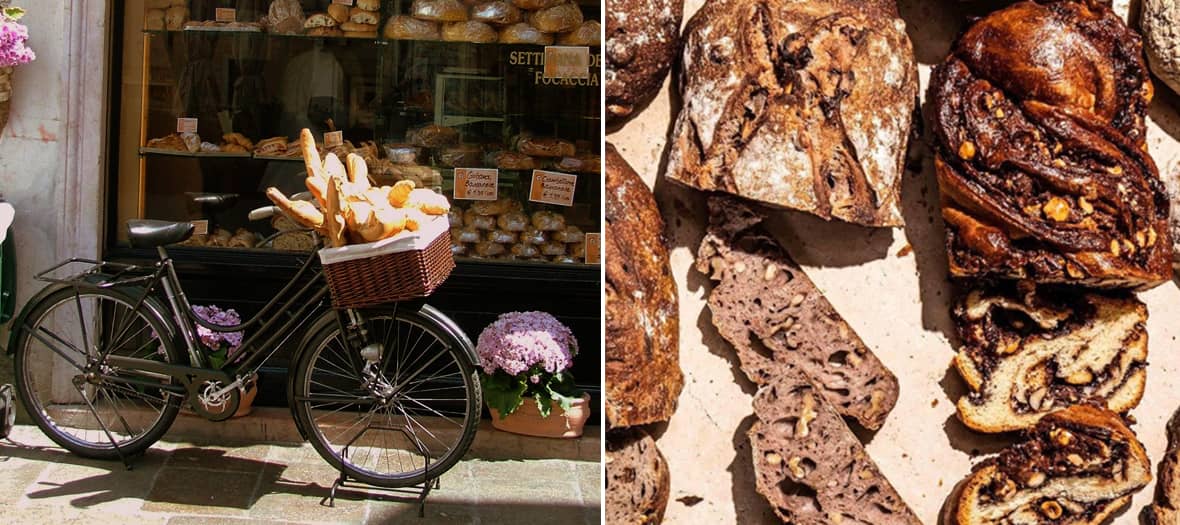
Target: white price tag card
column 551, row 187
column 225, row 14
column 477, row 184
column 567, row 62
column 333, row 139
column 186, row 125
column 593, row 248
column 201, row 227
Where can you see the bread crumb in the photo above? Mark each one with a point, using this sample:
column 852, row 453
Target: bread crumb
column 905, row 250
column 689, row 501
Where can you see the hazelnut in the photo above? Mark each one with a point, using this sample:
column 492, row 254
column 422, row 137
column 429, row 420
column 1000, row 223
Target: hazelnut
column 1036, row 398
column 1081, row 377
column 771, row 271
column 1010, row 348
column 999, row 113
column 773, row 458
column 1056, row 209
column 1075, row 460
column 1128, row 246
column 797, row 299
column 1058, row 163
column 1115, row 170
column 1051, row 509
column 797, row 470
column 866, row 474
column 1151, row 236
column 1061, row 436
column 739, row 267
column 806, row 415
column 1035, row 480
column 967, row 150
column 1073, row 271
column 1114, row 247
column 1085, row 205
column 1006, row 490
column 1057, row 148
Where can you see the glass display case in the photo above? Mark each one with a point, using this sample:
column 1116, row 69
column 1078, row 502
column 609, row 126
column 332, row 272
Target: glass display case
column 452, row 95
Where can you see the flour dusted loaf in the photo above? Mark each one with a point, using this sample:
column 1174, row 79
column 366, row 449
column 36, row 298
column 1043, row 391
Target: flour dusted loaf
column 779, row 322
column 1160, row 22
column 802, row 105
column 1076, row 466
column 809, row 465
column 1166, row 508
column 643, row 378
column 637, row 479
column 642, row 39
column 1027, row 352
column 1041, row 154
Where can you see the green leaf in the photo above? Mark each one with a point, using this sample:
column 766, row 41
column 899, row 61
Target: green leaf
column 503, row 392
column 14, row 13
column 216, row 359
column 544, row 403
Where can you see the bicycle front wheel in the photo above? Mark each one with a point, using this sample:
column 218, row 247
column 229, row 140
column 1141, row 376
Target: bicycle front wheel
column 379, row 422
column 77, row 400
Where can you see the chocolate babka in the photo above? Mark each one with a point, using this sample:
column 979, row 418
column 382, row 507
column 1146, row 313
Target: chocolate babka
column 803, row 105
column 771, row 312
column 1165, row 510
column 1076, row 466
column 1028, row 351
column 1041, row 158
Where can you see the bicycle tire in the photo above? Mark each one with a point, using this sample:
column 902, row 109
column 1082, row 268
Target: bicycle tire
column 317, row 418
column 29, row 360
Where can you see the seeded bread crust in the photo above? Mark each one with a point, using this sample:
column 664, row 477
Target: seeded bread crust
column 637, row 479
column 1028, row 351
column 810, row 466
column 779, row 322
column 799, row 104
column 1076, row 466
column 643, row 377
column 642, row 40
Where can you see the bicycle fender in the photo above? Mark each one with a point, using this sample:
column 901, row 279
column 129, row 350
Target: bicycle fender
column 18, row 322
column 451, row 327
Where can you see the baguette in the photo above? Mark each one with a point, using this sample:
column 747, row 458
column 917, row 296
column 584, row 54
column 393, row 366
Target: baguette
column 358, row 171
column 334, row 168
column 334, row 216
column 303, row 212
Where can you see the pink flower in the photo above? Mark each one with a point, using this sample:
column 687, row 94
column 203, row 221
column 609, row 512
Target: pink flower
column 13, row 36
column 518, row 341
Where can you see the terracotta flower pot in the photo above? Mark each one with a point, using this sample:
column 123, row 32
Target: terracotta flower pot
column 527, row 419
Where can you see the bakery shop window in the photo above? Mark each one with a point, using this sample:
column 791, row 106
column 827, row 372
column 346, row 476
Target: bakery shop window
column 495, row 104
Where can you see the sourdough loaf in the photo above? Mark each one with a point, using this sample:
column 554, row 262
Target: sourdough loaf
column 1027, row 352
column 779, row 322
column 637, row 479
column 803, row 105
column 642, row 39
column 643, row 378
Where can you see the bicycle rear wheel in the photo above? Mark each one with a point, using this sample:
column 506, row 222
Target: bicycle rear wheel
column 63, row 334
column 423, row 396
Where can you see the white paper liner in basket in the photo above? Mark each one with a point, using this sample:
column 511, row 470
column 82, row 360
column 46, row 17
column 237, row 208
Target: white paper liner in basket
column 403, row 242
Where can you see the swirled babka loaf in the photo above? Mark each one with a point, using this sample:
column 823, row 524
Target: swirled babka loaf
column 1038, row 124
column 1027, row 352
column 1165, row 510
column 1076, row 466
column 799, row 104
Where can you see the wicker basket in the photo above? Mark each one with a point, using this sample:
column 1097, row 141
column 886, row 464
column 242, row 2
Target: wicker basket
column 372, row 274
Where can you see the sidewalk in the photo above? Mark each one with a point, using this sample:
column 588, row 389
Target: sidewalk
column 178, row 483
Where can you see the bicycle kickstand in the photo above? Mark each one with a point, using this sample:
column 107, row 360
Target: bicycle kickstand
column 106, row 431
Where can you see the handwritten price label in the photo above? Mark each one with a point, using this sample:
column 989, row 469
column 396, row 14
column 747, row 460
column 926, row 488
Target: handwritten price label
column 567, row 62
column 593, row 248
column 477, row 184
column 333, row 139
column 186, row 125
column 551, row 187
column 225, row 14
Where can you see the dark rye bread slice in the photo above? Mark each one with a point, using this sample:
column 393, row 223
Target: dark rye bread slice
column 778, row 321
column 1076, row 466
column 643, row 378
column 1029, row 350
column 800, row 104
column 1166, row 508
column 637, row 480
column 810, row 466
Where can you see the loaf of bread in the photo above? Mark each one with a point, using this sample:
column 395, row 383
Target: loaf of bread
column 548, row 221
column 809, row 465
column 1027, row 352
column 402, row 27
column 470, row 31
column 587, row 34
column 570, row 234
column 643, row 377
column 513, row 221
column 642, row 43
column 557, row 19
column 533, row 5
column 1041, row 155
column 461, row 156
column 769, row 310
column 471, row 219
column 501, row 237
column 465, row 235
column 496, row 207
column 523, row 33
column 496, row 12
column 1165, row 510
column 439, row 10
column 637, row 478
column 362, row 16
column 1076, row 466
column 545, row 146
column 524, row 251
column 338, row 12
column 489, row 249
column 321, row 20
column 531, row 235
column 432, row 136
column 509, row 160
column 820, row 119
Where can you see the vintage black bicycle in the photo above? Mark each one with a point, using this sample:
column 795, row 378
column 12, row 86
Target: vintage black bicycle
column 106, row 355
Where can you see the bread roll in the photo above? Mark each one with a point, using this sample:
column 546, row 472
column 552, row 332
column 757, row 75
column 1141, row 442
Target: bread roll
column 570, row 234
column 545, row 147
column 369, row 5
column 477, row 221
column 462, row 156
column 404, row 153
column 338, row 12
column 548, row 221
column 496, row 12
column 432, row 136
column 403, row 27
column 353, row 27
column 496, row 207
column 153, row 20
column 489, row 249
column 455, row 217
column 557, row 19
column 578, row 249
column 524, row 250
column 524, row 33
column 175, row 17
column 465, row 235
column 501, row 236
column 509, row 160
column 553, row 248
column 458, row 250
column 361, row 16
column 513, row 221
column 439, row 10
column 587, row 34
column 321, row 20
column 531, row 235
column 533, row 5
column 470, row 31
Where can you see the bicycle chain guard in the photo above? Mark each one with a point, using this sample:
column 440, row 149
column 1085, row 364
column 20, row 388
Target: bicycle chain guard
column 216, row 408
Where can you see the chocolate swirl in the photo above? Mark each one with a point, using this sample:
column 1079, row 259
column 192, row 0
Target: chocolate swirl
column 1041, row 154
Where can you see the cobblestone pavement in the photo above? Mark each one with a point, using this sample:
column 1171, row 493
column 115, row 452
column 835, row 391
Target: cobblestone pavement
column 178, row 483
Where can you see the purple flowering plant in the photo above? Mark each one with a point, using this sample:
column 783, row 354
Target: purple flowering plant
column 218, row 344
column 527, row 354
column 13, row 38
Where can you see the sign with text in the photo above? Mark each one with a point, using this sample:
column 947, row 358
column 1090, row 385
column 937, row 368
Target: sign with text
column 186, row 125
column 225, row 14
column 477, row 184
column 333, row 139
column 567, row 62
column 551, row 187
column 593, row 248
column 201, row 227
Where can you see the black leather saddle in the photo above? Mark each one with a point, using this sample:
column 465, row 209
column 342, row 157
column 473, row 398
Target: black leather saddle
column 214, row 202
column 148, row 233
